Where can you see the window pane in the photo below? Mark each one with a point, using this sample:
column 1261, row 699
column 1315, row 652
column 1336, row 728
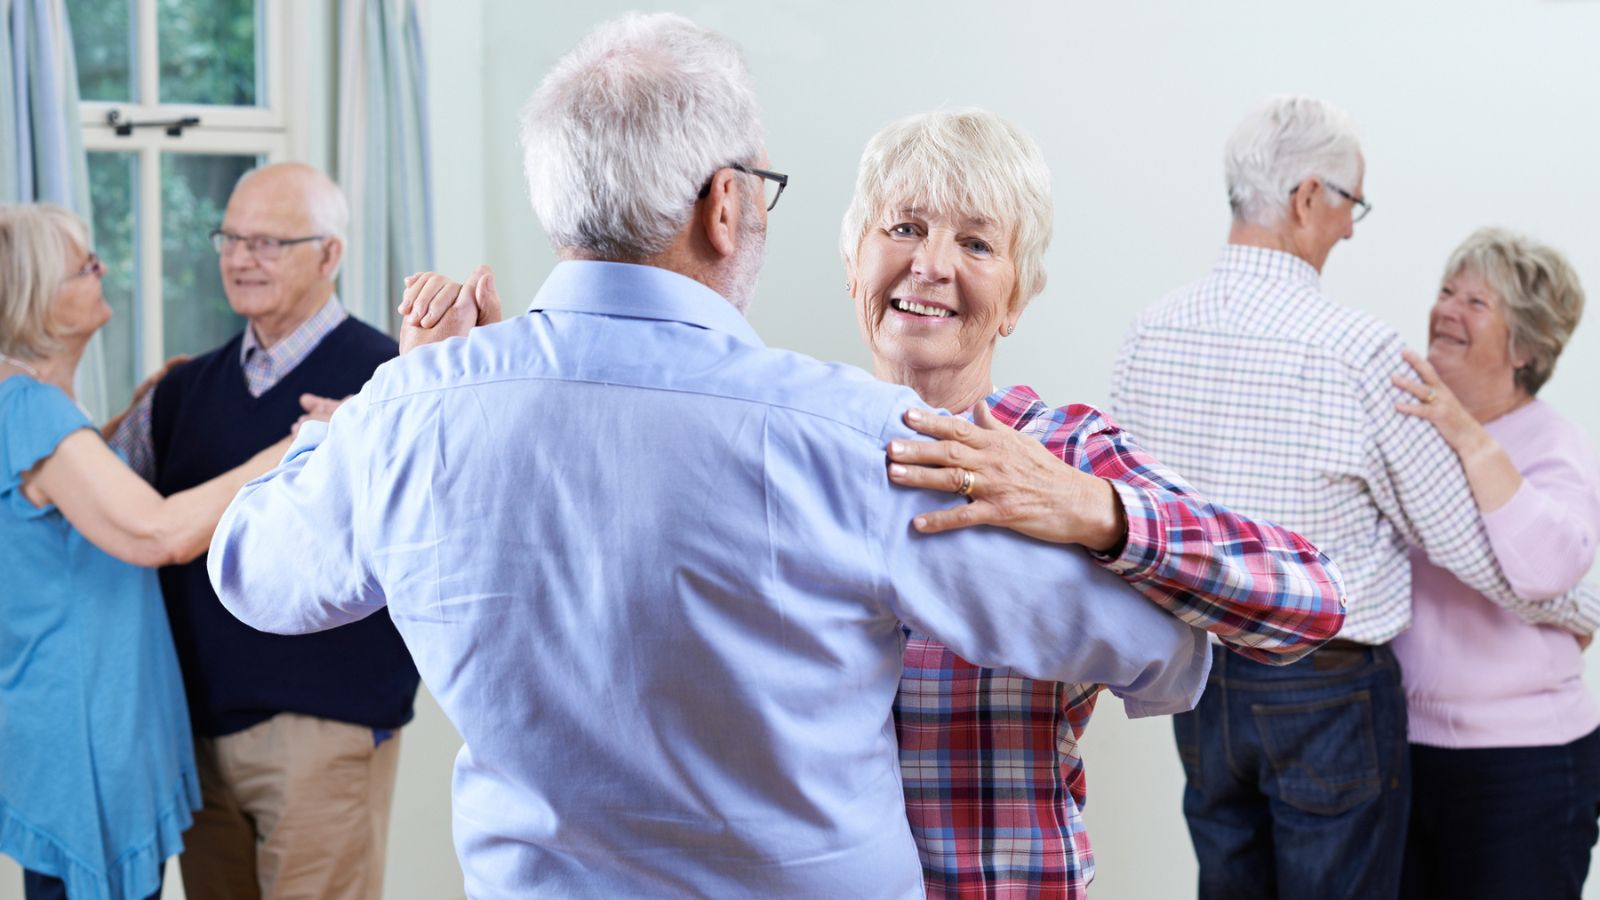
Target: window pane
column 208, row 51
column 102, row 40
column 113, row 190
column 194, row 194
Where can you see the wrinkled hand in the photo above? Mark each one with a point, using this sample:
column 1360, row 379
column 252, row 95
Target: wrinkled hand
column 317, row 409
column 1439, row 405
column 1017, row 483
column 435, row 308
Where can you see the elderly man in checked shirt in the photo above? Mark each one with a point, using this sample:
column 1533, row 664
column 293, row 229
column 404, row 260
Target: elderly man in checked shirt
column 1273, row 399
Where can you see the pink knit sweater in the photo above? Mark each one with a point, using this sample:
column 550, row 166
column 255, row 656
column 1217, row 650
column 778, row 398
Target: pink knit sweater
column 1475, row 674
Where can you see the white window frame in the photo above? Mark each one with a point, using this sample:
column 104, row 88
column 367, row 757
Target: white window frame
column 263, row 130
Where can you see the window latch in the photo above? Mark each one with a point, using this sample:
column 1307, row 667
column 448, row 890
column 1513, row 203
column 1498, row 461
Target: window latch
column 174, row 127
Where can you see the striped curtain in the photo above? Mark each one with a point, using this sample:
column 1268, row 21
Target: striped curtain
column 384, row 164
column 41, row 140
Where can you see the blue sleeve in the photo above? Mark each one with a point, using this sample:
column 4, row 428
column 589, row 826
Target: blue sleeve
column 998, row 598
column 295, row 527
column 34, row 419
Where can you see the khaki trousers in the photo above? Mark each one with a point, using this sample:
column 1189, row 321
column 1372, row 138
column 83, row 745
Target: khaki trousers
column 296, row 808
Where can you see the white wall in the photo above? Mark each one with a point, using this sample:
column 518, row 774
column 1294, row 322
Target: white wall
column 1474, row 112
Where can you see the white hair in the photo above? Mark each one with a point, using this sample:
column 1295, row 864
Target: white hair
column 36, row 244
column 1282, row 143
column 964, row 162
column 624, row 132
column 325, row 203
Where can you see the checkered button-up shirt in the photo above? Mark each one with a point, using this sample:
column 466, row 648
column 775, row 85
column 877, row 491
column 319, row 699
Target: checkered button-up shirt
column 993, row 779
column 1271, row 398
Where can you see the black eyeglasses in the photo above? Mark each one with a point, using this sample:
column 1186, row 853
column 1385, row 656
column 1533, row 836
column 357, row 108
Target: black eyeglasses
column 775, row 182
column 262, row 248
column 1362, row 207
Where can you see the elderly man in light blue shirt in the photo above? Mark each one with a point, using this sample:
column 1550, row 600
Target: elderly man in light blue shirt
column 654, row 571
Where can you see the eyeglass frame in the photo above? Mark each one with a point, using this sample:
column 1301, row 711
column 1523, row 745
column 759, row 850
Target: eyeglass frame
column 1363, row 208
column 778, row 178
column 222, row 241
column 94, row 265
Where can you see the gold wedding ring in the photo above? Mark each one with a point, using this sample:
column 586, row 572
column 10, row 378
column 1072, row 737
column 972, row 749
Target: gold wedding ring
column 1432, row 393
column 968, row 480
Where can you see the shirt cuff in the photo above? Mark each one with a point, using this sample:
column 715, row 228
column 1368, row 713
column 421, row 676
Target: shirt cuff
column 1147, row 528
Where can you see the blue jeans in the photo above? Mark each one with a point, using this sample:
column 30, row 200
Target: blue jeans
column 1298, row 776
column 1502, row 821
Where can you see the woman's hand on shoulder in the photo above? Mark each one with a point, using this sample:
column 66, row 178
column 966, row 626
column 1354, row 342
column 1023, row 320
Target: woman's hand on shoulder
column 1010, row 479
column 1437, row 404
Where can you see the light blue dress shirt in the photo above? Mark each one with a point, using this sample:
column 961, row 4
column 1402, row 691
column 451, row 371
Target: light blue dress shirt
column 655, row 573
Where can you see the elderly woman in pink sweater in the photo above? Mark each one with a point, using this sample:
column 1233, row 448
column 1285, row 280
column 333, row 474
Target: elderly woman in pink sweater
column 1504, row 743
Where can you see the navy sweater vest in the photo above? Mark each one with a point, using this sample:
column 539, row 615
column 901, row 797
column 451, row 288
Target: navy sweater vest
column 204, row 423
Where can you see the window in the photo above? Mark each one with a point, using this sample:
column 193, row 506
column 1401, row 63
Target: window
column 157, row 191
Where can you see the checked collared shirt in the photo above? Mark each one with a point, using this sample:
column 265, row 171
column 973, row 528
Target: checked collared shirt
column 993, row 779
column 1273, row 399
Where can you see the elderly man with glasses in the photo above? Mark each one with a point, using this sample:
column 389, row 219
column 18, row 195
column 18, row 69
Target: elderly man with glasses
column 296, row 738
column 654, row 570
column 1276, row 401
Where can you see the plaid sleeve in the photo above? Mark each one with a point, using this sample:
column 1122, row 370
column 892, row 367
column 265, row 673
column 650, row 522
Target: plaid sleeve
column 1264, row 590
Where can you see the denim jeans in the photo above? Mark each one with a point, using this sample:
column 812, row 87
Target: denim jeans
column 1502, row 821
column 1298, row 776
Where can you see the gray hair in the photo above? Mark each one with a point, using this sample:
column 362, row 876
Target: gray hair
column 968, row 161
column 622, row 134
column 326, row 205
column 1282, row 143
column 36, row 240
column 1543, row 299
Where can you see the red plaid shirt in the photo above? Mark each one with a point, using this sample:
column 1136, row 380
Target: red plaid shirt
column 994, row 784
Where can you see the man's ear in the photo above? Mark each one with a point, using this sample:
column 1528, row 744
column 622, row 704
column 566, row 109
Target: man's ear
column 719, row 212
column 332, row 252
column 1301, row 201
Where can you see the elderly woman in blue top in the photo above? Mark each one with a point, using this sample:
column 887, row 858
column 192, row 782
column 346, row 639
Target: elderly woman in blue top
column 98, row 779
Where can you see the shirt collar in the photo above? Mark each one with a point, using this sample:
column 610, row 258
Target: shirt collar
column 1261, row 261
column 310, row 332
column 640, row 292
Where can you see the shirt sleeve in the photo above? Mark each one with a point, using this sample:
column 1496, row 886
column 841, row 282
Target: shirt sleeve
column 1419, row 485
column 998, row 598
column 1263, row 589
column 285, row 557
column 134, row 438
column 1545, row 535
column 37, row 418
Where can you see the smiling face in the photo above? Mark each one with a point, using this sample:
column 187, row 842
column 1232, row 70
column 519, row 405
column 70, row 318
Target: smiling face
column 933, row 291
column 1469, row 339
column 276, row 202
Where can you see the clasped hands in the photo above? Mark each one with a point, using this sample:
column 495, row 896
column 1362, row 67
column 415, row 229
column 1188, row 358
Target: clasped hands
column 435, row 307
column 1014, row 482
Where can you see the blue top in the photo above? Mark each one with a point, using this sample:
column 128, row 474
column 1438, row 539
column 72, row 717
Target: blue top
column 655, row 573
column 97, row 781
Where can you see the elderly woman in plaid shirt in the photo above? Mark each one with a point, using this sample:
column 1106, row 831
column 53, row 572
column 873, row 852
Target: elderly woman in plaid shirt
column 944, row 244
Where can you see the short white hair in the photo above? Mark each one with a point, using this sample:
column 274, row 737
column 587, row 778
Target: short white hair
column 624, row 132
column 1282, row 143
column 964, row 162
column 325, row 202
